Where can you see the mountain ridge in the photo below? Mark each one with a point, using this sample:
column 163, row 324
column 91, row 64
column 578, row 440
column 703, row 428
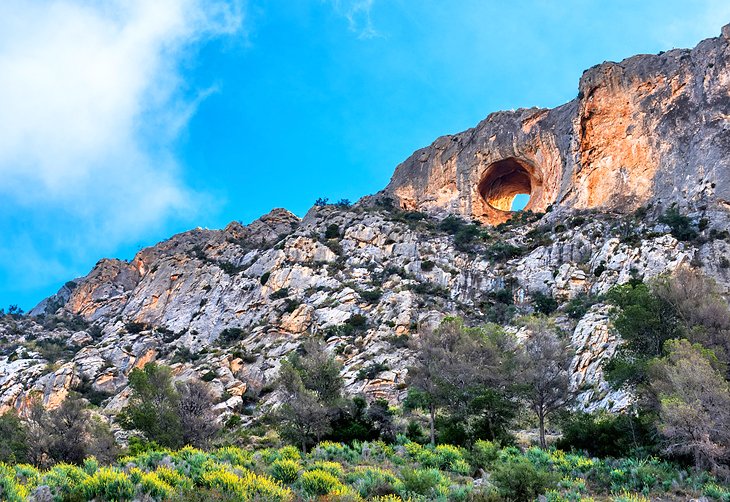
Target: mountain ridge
column 231, row 304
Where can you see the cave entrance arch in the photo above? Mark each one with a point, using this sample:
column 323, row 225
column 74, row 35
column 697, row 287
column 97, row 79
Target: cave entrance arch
column 502, row 181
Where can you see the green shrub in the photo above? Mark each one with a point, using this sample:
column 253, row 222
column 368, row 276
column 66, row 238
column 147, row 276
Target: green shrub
column 12, row 491
column 423, row 482
column 329, row 450
column 279, row 294
column 484, row 454
column 285, row 470
column 608, row 435
column 151, row 484
column 234, row 456
column 333, row 468
column 231, row 335
column 717, row 492
column 332, row 231
column 65, row 481
column 108, row 484
column 319, row 482
column 248, row 486
column 544, row 304
column 452, row 224
column 289, row 453
column 373, row 482
column 264, row 278
column 578, row 306
column 371, row 296
column 371, row 371
column 681, row 225
column 427, row 265
column 447, row 455
column 519, row 480
column 503, row 251
column 135, row 327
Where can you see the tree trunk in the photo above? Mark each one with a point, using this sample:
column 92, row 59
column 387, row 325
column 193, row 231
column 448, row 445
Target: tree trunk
column 432, row 410
column 541, row 418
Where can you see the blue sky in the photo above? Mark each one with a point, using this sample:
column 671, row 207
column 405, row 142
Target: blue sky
column 123, row 122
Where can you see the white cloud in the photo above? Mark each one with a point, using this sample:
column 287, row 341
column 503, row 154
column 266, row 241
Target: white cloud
column 91, row 102
column 357, row 13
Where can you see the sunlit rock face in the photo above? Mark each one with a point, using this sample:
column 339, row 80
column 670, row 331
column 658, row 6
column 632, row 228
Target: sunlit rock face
column 650, row 129
column 232, row 304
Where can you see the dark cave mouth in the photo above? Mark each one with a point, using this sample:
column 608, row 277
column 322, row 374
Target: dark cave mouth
column 505, row 180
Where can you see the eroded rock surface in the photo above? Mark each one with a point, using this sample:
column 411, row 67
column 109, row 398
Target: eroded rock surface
column 228, row 305
column 650, row 129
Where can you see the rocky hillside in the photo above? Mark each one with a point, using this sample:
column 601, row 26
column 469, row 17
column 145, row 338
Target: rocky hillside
column 227, row 305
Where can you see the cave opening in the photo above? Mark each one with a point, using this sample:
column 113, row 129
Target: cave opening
column 507, row 185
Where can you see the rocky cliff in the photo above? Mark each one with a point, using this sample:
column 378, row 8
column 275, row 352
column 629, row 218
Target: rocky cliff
column 652, row 129
column 227, row 305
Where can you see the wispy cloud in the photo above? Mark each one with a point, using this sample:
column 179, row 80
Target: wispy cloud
column 357, row 13
column 92, row 99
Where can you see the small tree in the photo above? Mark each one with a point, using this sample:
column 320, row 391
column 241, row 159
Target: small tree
column 694, row 403
column 644, row 321
column 169, row 415
column 66, row 434
column 13, row 439
column 453, row 366
column 198, row 421
column 320, row 372
column 543, row 376
column 153, row 406
column 303, row 418
column 700, row 309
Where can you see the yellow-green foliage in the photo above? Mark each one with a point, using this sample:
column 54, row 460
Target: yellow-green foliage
column 234, row 456
column 323, row 465
column 367, row 480
column 108, row 484
column 289, row 453
column 351, row 473
column 247, row 486
column 319, row 482
column 151, row 484
column 630, row 497
column 64, row 480
column 91, row 465
column 716, row 491
column 285, row 470
column 484, row 454
column 11, row 490
column 425, row 482
column 173, row 478
column 329, row 450
column 27, row 475
column 447, row 454
column 343, row 494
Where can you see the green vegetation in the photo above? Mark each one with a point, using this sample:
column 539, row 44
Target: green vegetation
column 676, row 333
column 478, row 401
column 680, row 224
column 167, row 414
column 403, row 471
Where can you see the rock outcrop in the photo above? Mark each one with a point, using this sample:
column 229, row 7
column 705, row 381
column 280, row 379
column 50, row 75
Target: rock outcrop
column 652, row 129
column 230, row 304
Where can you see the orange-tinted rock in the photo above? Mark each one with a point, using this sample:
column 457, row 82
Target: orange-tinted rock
column 652, row 128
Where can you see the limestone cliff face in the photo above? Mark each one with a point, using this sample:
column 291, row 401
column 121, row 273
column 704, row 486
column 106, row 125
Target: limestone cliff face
column 230, row 304
column 652, row 129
